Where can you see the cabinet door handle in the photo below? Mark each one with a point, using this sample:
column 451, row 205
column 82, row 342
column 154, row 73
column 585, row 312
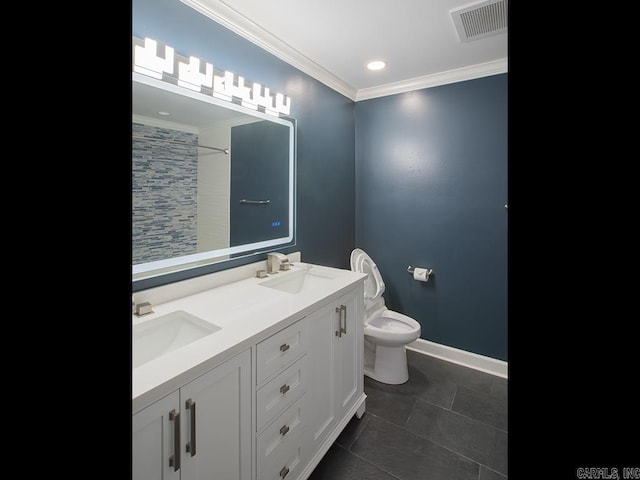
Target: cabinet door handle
column 174, row 460
column 284, row 430
column 284, row 347
column 191, row 444
column 284, row 472
column 284, row 388
column 342, row 320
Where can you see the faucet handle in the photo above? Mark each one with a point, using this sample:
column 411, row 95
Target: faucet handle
column 143, row 308
column 285, row 265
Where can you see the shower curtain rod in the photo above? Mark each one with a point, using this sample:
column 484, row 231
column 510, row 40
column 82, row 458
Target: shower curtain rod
column 168, row 140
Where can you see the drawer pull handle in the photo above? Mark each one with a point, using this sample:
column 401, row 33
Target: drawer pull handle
column 284, row 472
column 284, row 430
column 284, row 388
column 284, row 347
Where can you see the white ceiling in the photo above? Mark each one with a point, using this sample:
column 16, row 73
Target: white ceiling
column 332, row 40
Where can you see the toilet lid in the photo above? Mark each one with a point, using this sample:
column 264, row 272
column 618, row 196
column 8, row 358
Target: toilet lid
column 373, row 284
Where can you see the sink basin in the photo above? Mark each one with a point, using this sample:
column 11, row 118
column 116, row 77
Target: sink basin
column 164, row 334
column 296, row 281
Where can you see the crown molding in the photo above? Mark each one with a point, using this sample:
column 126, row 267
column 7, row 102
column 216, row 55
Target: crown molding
column 234, row 21
column 442, row 78
column 221, row 13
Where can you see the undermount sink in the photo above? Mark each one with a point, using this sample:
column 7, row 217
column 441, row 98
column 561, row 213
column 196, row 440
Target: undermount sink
column 296, row 281
column 164, row 334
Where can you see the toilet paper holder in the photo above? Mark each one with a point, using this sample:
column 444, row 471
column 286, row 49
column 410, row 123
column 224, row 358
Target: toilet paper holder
column 410, row 269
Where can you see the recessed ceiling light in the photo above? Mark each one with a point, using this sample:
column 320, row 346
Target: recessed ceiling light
column 164, row 113
column 376, row 65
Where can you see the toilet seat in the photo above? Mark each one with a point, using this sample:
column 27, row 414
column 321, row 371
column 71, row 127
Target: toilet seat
column 373, row 285
column 391, row 328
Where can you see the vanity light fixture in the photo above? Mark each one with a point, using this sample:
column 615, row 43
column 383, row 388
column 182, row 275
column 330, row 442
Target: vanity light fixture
column 228, row 86
column 376, row 65
column 189, row 75
column 149, row 63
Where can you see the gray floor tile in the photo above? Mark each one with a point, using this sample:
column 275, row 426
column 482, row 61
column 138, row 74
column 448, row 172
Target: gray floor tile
column 352, row 430
column 446, row 422
column 500, row 388
column 436, row 368
column 500, row 461
column 338, row 464
column 475, row 440
column 487, row 474
column 439, row 391
column 408, row 456
column 484, row 407
column 388, row 402
column 415, row 385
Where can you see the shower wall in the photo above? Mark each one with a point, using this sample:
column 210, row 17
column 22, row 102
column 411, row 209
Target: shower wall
column 164, row 193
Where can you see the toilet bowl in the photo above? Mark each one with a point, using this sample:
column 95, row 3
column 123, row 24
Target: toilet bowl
column 385, row 332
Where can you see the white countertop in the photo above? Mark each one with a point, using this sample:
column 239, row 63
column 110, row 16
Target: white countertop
column 246, row 311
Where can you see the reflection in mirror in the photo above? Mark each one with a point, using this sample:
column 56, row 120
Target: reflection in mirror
column 211, row 180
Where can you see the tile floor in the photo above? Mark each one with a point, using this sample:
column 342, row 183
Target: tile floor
column 448, row 422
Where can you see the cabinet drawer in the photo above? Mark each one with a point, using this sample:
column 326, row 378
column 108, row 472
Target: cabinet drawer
column 275, row 396
column 280, row 446
column 280, row 350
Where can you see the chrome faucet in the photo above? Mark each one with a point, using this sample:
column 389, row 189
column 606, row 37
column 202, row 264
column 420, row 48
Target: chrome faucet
column 276, row 262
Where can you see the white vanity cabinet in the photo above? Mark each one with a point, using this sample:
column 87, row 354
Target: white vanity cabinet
column 317, row 363
column 281, row 417
column 201, row 431
column 335, row 359
column 269, row 412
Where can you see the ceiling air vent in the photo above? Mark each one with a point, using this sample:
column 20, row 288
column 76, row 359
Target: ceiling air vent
column 480, row 20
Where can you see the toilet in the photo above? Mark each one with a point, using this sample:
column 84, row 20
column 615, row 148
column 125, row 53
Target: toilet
column 385, row 332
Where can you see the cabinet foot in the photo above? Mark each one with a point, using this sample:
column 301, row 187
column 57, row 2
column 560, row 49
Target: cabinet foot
column 361, row 409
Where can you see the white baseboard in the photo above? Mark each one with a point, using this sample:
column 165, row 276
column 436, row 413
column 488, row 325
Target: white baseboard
column 490, row 365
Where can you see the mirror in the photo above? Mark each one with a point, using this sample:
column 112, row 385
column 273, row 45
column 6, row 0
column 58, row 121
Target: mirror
column 211, row 179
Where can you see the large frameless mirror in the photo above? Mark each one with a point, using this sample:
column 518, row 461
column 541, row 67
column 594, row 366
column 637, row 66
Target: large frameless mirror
column 212, row 180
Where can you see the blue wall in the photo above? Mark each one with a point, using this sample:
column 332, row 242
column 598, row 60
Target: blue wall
column 430, row 177
column 431, row 170
column 325, row 124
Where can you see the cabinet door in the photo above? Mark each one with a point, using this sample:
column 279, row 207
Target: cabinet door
column 349, row 353
column 154, row 436
column 217, row 423
column 335, row 363
column 322, row 325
